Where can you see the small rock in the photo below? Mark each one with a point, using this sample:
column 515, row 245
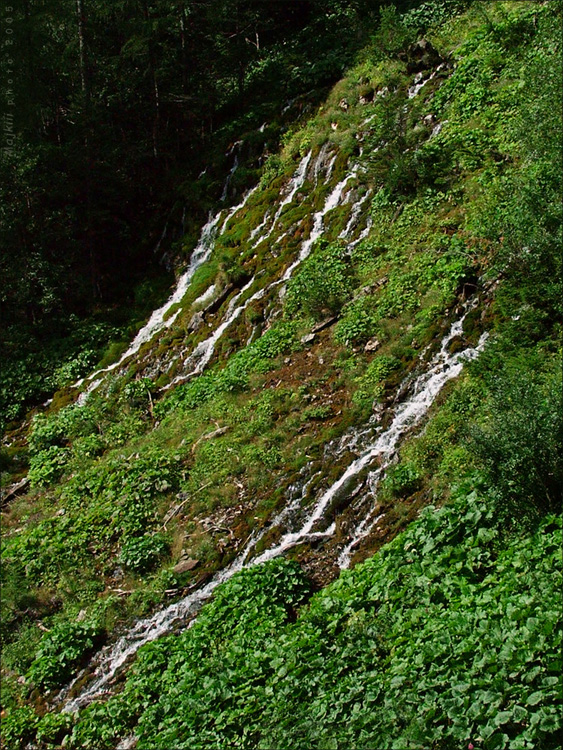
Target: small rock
column 420, row 56
column 14, row 490
column 324, row 324
column 372, row 345
column 81, row 615
column 334, row 125
column 343, row 104
column 184, row 565
column 308, row 338
column 196, row 322
column 118, row 574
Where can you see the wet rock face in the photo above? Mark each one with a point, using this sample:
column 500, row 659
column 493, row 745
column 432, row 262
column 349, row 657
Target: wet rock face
column 196, row 322
column 421, row 56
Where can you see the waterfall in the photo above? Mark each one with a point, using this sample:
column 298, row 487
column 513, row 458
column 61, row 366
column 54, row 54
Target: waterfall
column 354, row 216
column 333, row 200
column 204, row 350
column 294, row 185
column 237, row 208
column 426, row 387
column 157, row 320
column 420, row 81
column 379, row 449
column 206, row 297
column 229, row 178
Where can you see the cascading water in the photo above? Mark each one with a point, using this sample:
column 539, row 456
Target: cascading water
column 420, row 81
column 346, row 233
column 158, row 320
column 380, row 449
column 442, row 368
column 294, row 185
column 332, row 201
column 206, row 297
column 233, row 170
column 203, row 352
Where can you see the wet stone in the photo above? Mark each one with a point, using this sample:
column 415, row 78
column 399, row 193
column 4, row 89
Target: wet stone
column 326, row 323
column 196, row 322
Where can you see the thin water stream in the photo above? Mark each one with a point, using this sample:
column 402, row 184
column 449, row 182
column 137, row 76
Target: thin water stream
column 196, row 362
column 160, row 318
column 163, row 318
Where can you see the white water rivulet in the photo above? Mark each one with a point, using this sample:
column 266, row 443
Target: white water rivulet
column 311, row 521
column 197, row 360
column 159, row 320
column 214, row 228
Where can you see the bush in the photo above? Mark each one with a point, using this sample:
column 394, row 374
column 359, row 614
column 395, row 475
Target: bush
column 143, row 553
column 255, row 358
column 371, row 384
column 322, row 285
column 403, row 480
column 47, row 466
column 18, row 728
column 61, row 651
column 521, row 442
column 358, row 323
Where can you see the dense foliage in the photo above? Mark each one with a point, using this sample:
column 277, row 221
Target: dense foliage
column 450, row 635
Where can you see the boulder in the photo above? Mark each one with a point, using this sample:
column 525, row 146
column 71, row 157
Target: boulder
column 308, row 338
column 372, row 345
column 185, row 565
column 196, row 322
column 421, row 56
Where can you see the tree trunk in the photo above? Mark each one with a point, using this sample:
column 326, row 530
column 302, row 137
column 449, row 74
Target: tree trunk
column 88, row 159
column 82, row 47
column 154, row 83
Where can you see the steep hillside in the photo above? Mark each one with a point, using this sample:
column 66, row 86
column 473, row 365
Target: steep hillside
column 358, row 368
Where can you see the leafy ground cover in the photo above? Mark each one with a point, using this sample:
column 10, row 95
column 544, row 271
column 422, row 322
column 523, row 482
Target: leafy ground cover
column 449, row 635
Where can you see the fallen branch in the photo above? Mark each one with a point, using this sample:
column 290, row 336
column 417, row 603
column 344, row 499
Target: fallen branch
column 209, row 436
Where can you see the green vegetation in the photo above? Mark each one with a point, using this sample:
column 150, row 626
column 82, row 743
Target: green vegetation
column 449, row 635
column 321, row 285
column 60, row 652
column 446, row 633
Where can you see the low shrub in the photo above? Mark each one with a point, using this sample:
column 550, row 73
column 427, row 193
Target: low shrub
column 140, row 554
column 61, row 651
column 322, row 285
